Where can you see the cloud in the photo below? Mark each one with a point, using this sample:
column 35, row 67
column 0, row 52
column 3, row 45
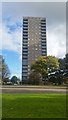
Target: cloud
column 12, row 39
column 55, row 21
column 54, row 12
column 56, row 40
column 0, row 37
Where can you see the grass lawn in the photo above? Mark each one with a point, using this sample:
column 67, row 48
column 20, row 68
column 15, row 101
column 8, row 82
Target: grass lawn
column 33, row 106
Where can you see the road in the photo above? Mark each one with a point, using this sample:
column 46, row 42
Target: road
column 22, row 90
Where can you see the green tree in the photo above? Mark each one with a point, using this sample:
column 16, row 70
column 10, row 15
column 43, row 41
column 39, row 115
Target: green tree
column 0, row 68
column 44, row 65
column 52, row 63
column 66, row 61
column 14, row 80
column 5, row 71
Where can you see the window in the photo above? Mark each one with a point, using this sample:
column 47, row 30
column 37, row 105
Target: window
column 25, row 48
column 25, row 26
column 25, row 38
column 43, row 35
column 25, row 19
column 28, row 69
column 43, row 42
column 25, row 54
column 28, row 65
column 36, row 48
column 24, row 62
column 25, row 22
column 25, row 35
column 25, row 41
column 25, row 66
column 44, row 52
column 25, row 32
column 43, row 23
column 24, row 58
column 43, row 32
column 25, row 44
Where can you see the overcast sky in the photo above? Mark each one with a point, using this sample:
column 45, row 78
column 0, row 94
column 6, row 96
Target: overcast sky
column 12, row 16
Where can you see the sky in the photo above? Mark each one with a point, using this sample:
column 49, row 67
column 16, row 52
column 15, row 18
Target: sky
column 12, row 17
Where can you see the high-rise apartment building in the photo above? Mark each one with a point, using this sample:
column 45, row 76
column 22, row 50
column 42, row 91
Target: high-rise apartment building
column 34, row 42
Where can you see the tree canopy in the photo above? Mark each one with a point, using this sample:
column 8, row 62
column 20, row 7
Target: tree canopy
column 14, row 79
column 45, row 64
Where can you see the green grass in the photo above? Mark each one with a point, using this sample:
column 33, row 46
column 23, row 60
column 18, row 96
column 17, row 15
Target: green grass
column 0, row 105
column 33, row 106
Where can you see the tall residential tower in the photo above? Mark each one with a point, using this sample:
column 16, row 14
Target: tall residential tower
column 34, row 42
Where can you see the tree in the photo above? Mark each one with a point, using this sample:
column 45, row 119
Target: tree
column 44, row 65
column 62, row 63
column 34, row 78
column 5, row 71
column 66, row 61
column 0, row 68
column 52, row 64
column 14, row 80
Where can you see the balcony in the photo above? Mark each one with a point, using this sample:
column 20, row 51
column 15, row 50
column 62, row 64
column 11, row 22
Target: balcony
column 25, row 26
column 43, row 42
column 42, row 29
column 25, row 48
column 25, row 54
column 25, row 37
column 43, row 38
column 25, row 62
column 25, row 41
column 44, row 20
column 24, row 57
column 25, row 65
column 24, row 69
column 24, row 74
column 25, row 51
column 24, row 20
column 44, row 52
column 25, row 29
column 26, row 45
column 43, row 26
column 43, row 23
column 43, row 35
column 43, row 47
column 25, row 32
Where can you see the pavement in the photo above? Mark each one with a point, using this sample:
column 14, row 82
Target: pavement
column 33, row 89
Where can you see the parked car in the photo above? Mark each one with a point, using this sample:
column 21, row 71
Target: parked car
column 8, row 83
